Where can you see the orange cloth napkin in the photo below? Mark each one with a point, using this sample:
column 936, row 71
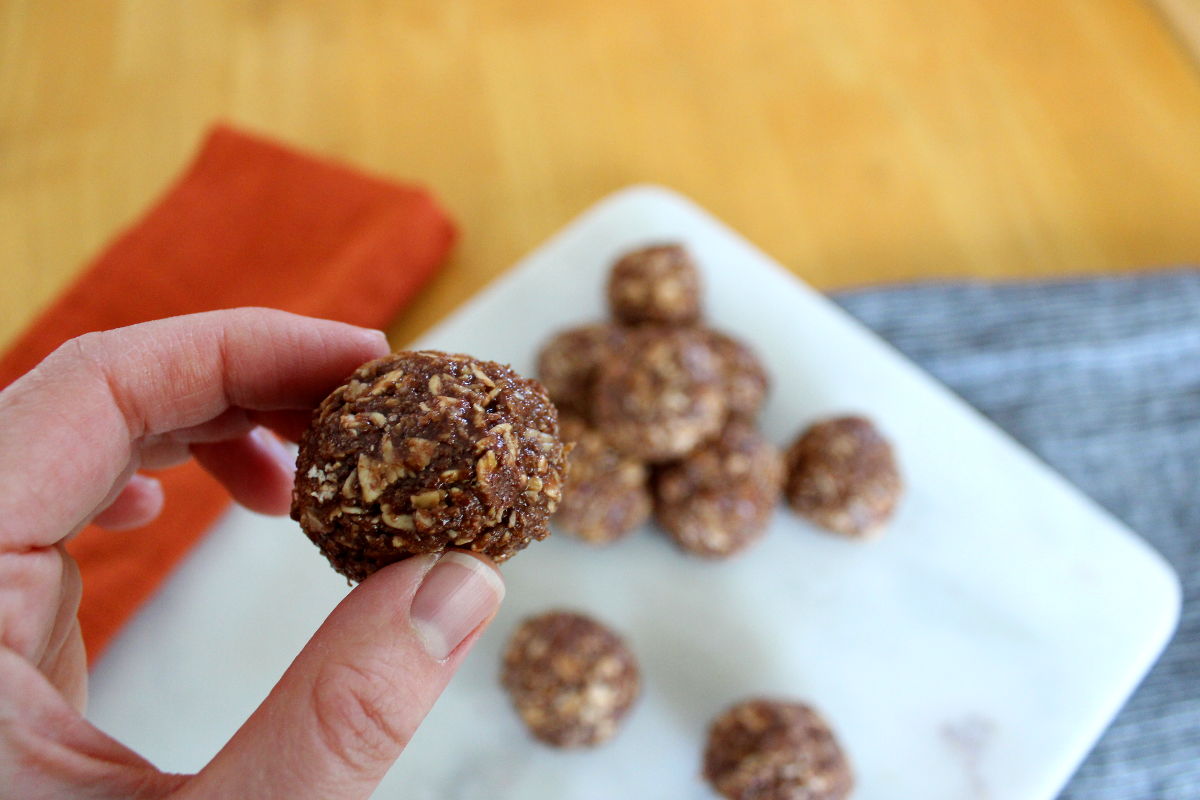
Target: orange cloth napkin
column 250, row 223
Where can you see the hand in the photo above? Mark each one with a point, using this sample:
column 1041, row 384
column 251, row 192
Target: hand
column 74, row 432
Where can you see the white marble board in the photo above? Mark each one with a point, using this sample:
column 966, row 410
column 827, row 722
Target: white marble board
column 976, row 651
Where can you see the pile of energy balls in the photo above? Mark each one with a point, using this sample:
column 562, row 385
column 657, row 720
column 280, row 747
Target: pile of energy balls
column 651, row 413
column 663, row 412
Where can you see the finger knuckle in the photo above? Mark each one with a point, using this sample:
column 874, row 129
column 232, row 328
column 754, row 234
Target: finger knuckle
column 76, row 353
column 359, row 714
column 91, row 353
column 85, row 345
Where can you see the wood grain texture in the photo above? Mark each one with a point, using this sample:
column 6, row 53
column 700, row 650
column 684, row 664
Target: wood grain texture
column 1183, row 16
column 856, row 142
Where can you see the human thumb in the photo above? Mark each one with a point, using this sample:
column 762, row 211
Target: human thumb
column 351, row 700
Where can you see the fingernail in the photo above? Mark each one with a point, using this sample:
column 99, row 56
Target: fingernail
column 275, row 448
column 458, row 594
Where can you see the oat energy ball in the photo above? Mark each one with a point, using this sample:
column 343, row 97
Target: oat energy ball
column 661, row 394
column 655, row 284
column 606, row 495
column 422, row 451
column 842, row 475
column 571, row 679
column 775, row 750
column 567, row 364
column 719, row 500
column 746, row 381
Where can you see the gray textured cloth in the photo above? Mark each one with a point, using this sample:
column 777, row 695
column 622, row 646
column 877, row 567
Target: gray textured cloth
column 1101, row 378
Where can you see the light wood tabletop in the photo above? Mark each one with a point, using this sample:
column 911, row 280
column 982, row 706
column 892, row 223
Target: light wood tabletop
column 855, row 142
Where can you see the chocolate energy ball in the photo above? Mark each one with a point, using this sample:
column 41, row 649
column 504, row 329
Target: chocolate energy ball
column 775, row 750
column 746, row 381
column 567, row 364
column 571, row 679
column 605, row 496
column 661, row 394
column 842, row 476
column 655, row 284
column 719, row 500
column 418, row 452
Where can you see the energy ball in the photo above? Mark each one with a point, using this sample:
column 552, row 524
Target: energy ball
column 842, row 476
column 571, row 679
column 661, row 394
column 567, row 364
column 605, row 496
column 775, row 750
column 655, row 284
column 746, row 380
column 719, row 500
column 421, row 451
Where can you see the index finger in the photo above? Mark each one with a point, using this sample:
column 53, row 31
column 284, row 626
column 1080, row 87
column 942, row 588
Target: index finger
column 68, row 428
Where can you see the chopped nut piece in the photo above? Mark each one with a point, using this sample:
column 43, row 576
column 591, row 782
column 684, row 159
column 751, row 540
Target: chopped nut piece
column 403, row 522
column 485, row 466
column 544, row 441
column 375, row 476
column 427, row 499
column 420, row 452
column 571, row 679
column 483, row 378
column 384, row 383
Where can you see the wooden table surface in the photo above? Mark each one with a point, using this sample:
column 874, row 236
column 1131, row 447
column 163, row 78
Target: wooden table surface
column 855, row 142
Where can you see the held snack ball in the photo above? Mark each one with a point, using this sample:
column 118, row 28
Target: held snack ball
column 571, row 679
column 775, row 750
column 605, row 496
column 842, row 475
column 655, row 284
column 422, row 451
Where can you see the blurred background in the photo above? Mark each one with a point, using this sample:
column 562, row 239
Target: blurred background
column 855, row 142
